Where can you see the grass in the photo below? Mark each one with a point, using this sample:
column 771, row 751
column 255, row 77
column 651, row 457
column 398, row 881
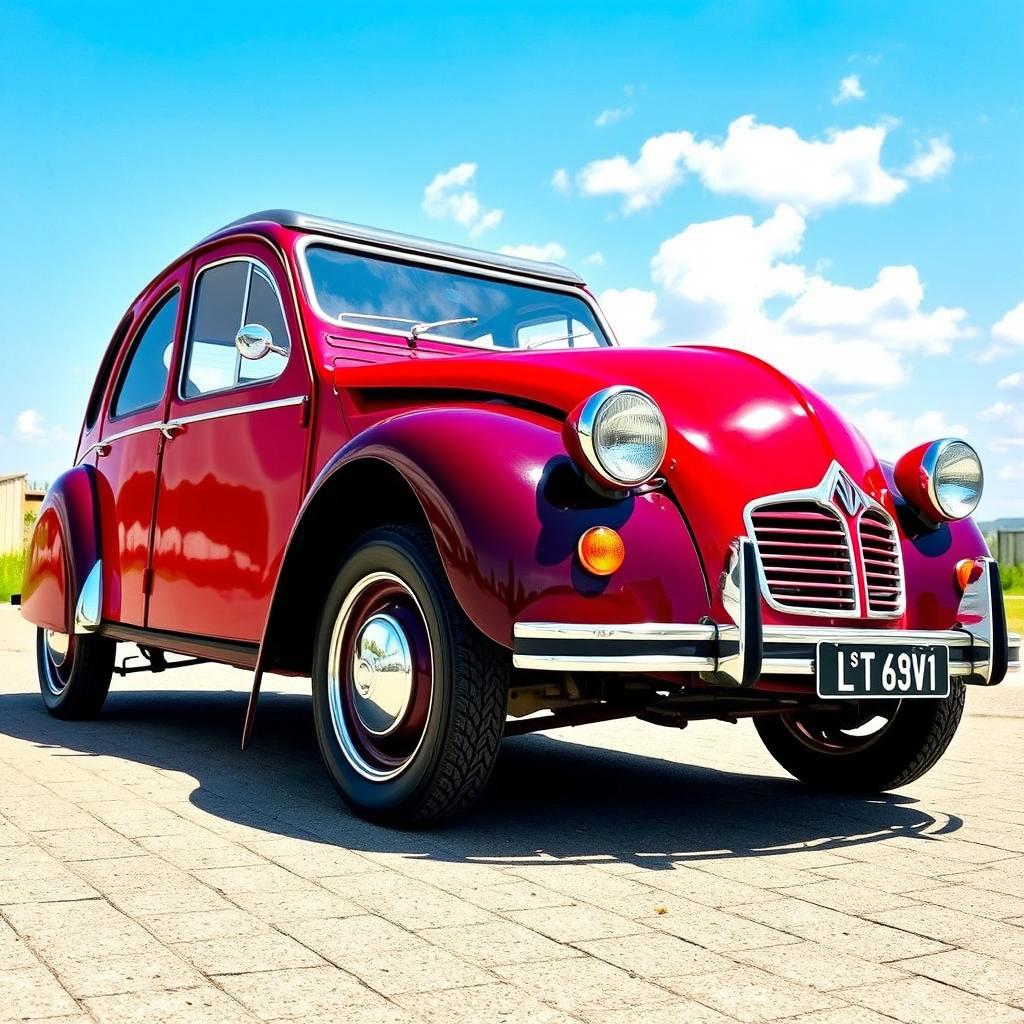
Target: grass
column 1015, row 612
column 11, row 567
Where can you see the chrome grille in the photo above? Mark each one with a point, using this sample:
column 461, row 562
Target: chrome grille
column 805, row 554
column 883, row 577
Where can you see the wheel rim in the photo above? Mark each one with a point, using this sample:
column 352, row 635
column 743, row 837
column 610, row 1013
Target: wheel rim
column 60, row 657
column 849, row 732
column 380, row 676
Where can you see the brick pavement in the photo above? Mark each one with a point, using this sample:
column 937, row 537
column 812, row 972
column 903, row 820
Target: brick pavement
column 618, row 873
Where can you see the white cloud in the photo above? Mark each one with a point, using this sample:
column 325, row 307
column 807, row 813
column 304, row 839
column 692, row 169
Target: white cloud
column 595, row 259
column 1011, row 380
column 631, row 312
column 560, row 181
column 931, row 162
column 758, row 161
column 30, row 428
column 892, row 435
column 1011, row 327
column 996, row 411
column 546, row 253
column 612, row 115
column 451, row 194
column 738, row 283
column 849, row 89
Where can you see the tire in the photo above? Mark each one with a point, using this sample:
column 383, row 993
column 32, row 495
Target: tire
column 409, row 698
column 821, row 751
column 74, row 672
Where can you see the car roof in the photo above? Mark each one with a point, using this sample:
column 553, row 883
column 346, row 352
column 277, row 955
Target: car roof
column 400, row 243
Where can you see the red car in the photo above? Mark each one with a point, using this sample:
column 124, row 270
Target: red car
column 429, row 478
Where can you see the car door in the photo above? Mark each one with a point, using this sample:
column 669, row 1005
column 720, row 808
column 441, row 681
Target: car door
column 127, row 454
column 233, row 467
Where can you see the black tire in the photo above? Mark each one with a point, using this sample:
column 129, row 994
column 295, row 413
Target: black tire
column 74, row 683
column 916, row 735
column 446, row 736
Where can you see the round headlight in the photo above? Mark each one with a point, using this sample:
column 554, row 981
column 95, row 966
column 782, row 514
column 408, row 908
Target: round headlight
column 944, row 479
column 957, row 478
column 622, row 435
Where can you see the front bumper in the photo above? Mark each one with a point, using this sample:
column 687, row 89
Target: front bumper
column 980, row 648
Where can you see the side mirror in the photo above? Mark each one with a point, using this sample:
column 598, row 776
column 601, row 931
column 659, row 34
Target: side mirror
column 254, row 341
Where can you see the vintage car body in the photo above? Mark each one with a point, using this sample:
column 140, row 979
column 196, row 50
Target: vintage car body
column 215, row 498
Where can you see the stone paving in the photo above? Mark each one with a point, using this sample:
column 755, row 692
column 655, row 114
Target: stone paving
column 149, row 871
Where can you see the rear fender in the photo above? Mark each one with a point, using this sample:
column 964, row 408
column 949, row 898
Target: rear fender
column 63, row 579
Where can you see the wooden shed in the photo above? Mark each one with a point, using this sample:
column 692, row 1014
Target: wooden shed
column 12, row 512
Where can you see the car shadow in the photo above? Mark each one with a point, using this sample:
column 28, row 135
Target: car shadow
column 549, row 799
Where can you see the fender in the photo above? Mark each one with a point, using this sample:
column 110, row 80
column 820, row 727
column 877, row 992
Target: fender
column 506, row 507
column 62, row 588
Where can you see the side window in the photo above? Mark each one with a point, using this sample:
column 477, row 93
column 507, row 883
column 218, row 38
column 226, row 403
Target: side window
column 145, row 372
column 227, row 296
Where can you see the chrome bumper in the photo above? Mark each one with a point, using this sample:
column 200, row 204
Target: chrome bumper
column 980, row 649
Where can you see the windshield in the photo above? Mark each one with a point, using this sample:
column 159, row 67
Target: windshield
column 369, row 293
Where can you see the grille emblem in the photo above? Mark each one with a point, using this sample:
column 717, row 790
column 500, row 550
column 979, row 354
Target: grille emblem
column 848, row 495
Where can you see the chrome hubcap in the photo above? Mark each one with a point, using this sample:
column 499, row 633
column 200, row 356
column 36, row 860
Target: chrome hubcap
column 57, row 645
column 59, row 660
column 382, row 674
column 850, row 733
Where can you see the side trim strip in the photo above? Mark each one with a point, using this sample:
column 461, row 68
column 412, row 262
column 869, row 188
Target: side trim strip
column 231, row 652
column 234, row 410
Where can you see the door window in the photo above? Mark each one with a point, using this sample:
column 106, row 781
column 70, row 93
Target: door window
column 227, row 296
column 145, row 371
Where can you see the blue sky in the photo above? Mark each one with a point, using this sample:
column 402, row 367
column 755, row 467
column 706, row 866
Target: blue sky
column 866, row 235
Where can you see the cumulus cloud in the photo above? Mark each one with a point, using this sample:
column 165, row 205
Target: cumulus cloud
column 631, row 312
column 931, row 162
column 612, row 115
column 849, row 89
column 1011, row 381
column 30, row 428
column 892, row 435
column 452, row 195
column 758, row 161
column 545, row 253
column 595, row 259
column 560, row 181
column 738, row 283
column 1010, row 328
column 996, row 411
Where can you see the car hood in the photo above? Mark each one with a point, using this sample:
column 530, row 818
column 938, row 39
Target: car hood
column 738, row 428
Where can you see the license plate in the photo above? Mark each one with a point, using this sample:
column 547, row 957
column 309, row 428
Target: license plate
column 856, row 671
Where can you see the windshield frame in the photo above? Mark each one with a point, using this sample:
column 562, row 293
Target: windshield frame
column 438, row 263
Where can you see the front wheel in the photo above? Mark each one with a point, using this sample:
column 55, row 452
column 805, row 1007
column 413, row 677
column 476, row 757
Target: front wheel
column 74, row 672
column 409, row 698
column 871, row 747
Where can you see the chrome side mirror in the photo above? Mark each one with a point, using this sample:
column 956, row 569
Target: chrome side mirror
column 254, row 341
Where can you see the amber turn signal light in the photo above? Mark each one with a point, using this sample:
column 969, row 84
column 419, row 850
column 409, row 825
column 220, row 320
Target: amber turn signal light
column 601, row 550
column 967, row 571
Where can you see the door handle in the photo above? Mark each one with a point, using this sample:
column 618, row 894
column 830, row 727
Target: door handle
column 171, row 430
column 102, row 449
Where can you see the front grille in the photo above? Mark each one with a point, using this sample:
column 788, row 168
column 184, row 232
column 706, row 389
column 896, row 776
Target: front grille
column 883, row 579
column 805, row 555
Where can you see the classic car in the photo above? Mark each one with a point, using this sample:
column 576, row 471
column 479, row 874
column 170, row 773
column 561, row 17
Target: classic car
column 430, row 479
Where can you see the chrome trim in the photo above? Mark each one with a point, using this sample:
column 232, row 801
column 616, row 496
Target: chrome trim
column 253, row 264
column 821, row 495
column 232, row 410
column 787, row 666
column 928, row 463
column 106, row 441
column 585, row 432
column 742, row 602
column 473, row 270
column 89, row 609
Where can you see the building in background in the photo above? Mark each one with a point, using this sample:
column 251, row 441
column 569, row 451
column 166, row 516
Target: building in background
column 12, row 511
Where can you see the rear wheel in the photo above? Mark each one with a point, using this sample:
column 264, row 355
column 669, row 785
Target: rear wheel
column 869, row 748
column 409, row 698
column 74, row 672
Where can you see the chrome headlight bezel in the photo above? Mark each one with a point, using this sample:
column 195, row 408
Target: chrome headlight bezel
column 919, row 476
column 586, row 423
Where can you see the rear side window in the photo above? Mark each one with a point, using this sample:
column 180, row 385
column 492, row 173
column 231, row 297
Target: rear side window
column 229, row 295
column 144, row 376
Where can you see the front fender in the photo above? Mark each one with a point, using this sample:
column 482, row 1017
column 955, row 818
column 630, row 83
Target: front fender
column 506, row 508
column 63, row 551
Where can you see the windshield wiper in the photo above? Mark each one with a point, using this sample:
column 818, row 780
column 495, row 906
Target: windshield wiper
column 541, row 342
column 416, row 328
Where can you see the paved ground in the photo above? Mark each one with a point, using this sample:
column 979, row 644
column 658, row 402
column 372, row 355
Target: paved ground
column 619, row 873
